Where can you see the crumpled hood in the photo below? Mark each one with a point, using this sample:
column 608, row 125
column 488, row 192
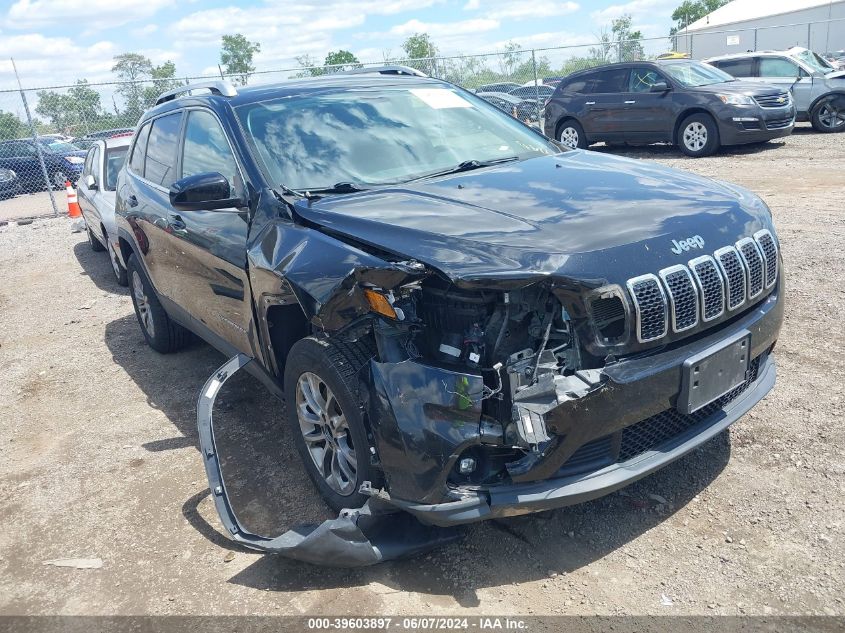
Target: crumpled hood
column 835, row 74
column 579, row 214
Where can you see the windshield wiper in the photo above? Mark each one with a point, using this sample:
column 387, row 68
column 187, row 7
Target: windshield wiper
column 338, row 187
column 467, row 165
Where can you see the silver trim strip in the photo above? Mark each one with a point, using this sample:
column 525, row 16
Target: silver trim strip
column 757, row 236
column 650, row 277
column 664, row 273
column 700, row 286
column 747, row 266
column 717, row 255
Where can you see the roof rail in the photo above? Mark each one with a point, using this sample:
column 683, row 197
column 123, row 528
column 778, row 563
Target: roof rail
column 222, row 88
column 389, row 69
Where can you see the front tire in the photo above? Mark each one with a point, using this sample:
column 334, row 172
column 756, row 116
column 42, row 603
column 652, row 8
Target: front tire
column 571, row 135
column 829, row 116
column 161, row 333
column 325, row 416
column 698, row 135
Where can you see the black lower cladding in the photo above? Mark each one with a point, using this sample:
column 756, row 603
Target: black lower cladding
column 650, row 433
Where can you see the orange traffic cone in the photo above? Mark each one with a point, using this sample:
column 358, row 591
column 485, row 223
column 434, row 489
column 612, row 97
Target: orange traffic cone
column 73, row 210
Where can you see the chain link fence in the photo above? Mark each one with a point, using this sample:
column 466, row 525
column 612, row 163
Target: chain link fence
column 45, row 132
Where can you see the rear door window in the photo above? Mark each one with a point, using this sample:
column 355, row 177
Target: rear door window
column 609, row 81
column 95, row 164
column 136, row 162
column 737, row 67
column 160, row 164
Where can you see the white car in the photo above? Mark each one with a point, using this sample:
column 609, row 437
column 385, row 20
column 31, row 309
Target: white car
column 96, row 193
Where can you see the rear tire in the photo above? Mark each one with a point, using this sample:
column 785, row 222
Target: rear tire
column 698, row 135
column 325, row 415
column 829, row 116
column 119, row 271
column 96, row 245
column 571, row 134
column 161, row 333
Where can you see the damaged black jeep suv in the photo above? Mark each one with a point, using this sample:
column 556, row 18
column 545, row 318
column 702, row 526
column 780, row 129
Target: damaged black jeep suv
column 465, row 319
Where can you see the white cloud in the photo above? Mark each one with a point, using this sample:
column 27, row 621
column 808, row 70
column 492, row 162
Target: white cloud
column 145, row 31
column 95, row 15
column 54, row 60
column 638, row 9
column 445, row 29
column 532, row 9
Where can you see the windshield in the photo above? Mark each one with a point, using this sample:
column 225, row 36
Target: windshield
column 61, row 147
column 695, row 73
column 114, row 161
column 814, row 61
column 382, row 135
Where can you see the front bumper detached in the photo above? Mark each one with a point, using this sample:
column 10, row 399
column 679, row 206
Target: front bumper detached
column 358, row 537
column 512, row 500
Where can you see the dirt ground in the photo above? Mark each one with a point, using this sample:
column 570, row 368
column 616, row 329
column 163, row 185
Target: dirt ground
column 98, row 459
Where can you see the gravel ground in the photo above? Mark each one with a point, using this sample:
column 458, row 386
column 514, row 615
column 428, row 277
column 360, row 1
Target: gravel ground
column 99, row 460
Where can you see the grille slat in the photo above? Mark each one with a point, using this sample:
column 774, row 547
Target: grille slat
column 650, row 306
column 705, row 289
column 683, row 298
column 734, row 273
column 778, row 100
column 753, row 261
column 767, row 246
column 710, row 286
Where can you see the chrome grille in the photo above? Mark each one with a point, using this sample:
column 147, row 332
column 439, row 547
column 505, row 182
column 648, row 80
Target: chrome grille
column 705, row 289
column 778, row 100
column 650, row 307
column 710, row 286
column 734, row 273
column 753, row 262
column 767, row 246
column 683, row 298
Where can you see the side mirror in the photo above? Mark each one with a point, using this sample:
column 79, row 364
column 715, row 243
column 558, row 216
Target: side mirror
column 90, row 181
column 201, row 192
column 660, row 86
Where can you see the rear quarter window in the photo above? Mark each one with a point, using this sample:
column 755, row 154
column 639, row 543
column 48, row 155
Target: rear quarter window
column 736, row 67
column 136, row 162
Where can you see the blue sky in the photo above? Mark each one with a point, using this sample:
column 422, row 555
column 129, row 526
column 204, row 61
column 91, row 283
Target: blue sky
column 56, row 41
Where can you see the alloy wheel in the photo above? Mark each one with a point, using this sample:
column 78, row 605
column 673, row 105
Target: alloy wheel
column 142, row 303
column 326, row 432
column 695, row 136
column 569, row 137
column 831, row 117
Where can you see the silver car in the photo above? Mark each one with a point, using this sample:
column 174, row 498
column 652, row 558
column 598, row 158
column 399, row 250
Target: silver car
column 818, row 89
column 96, row 193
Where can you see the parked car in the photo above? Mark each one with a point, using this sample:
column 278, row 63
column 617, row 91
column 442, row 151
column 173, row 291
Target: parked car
column 817, row 88
column 9, row 183
column 522, row 109
column 505, row 86
column 466, row 321
column 96, row 194
column 685, row 102
column 63, row 162
column 101, row 134
column 531, row 92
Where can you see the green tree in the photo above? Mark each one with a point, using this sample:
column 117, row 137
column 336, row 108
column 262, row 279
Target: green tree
column 630, row 49
column 12, row 127
column 419, row 46
column 338, row 61
column 132, row 68
column 310, row 66
column 510, row 58
column 163, row 79
column 691, row 10
column 236, row 56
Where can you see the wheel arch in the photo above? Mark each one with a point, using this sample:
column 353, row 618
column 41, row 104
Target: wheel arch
column 563, row 119
column 689, row 112
column 820, row 99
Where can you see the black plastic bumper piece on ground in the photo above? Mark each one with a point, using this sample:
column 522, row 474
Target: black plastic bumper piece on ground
column 364, row 536
column 512, row 500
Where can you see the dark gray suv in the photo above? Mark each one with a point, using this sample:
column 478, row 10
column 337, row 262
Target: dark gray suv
column 685, row 102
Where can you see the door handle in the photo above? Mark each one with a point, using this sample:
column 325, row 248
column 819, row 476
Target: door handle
column 132, row 200
column 176, row 222
column 630, row 102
